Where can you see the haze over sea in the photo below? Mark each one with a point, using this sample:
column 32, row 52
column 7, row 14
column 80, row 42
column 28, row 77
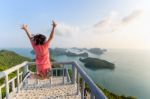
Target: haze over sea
column 130, row 77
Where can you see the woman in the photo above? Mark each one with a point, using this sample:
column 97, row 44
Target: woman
column 41, row 48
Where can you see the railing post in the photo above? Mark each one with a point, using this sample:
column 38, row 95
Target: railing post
column 20, row 78
column 78, row 83
column 63, row 74
column 67, row 74
column 7, row 87
column 25, row 71
column 56, row 72
column 83, row 89
column 73, row 74
column 0, row 93
column 18, row 81
column 92, row 96
column 13, row 85
column 52, row 71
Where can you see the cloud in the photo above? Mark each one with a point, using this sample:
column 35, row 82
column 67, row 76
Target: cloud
column 103, row 23
column 103, row 26
column 131, row 16
column 106, row 21
column 108, row 24
column 65, row 29
column 127, row 20
column 97, row 32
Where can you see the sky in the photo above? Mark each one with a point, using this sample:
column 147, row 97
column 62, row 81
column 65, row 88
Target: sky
column 118, row 24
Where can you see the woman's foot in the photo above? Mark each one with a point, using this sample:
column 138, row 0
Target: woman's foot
column 32, row 76
column 40, row 77
column 48, row 73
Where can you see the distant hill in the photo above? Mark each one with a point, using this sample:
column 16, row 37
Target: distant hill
column 63, row 51
column 9, row 59
column 95, row 63
column 74, row 54
column 57, row 51
column 97, row 51
column 67, row 52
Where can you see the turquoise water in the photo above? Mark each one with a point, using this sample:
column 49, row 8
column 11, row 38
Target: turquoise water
column 130, row 77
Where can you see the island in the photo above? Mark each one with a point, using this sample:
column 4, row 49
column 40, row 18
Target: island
column 79, row 49
column 95, row 63
column 84, row 54
column 57, row 51
column 97, row 51
column 64, row 51
column 67, row 52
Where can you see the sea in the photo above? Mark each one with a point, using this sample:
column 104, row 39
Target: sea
column 131, row 76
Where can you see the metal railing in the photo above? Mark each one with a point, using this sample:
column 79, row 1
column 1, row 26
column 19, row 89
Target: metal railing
column 77, row 74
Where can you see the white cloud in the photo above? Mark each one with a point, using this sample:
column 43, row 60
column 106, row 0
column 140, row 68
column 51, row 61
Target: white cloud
column 111, row 32
column 65, row 29
column 131, row 17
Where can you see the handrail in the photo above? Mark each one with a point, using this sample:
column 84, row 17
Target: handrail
column 12, row 69
column 95, row 91
column 5, row 74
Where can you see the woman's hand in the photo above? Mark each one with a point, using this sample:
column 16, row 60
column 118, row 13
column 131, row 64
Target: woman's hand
column 52, row 32
column 24, row 27
column 54, row 24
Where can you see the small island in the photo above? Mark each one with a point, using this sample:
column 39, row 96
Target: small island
column 63, row 51
column 57, row 51
column 84, row 54
column 97, row 51
column 95, row 63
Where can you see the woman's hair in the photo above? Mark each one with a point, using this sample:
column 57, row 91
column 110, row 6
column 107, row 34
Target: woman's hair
column 39, row 39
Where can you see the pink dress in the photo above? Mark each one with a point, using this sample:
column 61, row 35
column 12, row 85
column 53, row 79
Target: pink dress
column 42, row 59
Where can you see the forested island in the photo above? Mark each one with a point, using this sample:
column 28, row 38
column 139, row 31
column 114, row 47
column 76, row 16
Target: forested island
column 95, row 63
column 83, row 51
column 63, row 51
column 97, row 51
column 84, row 54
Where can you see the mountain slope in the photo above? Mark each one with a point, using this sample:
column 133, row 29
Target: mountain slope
column 9, row 59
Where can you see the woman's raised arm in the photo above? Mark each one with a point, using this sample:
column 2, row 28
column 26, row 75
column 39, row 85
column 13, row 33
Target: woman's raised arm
column 25, row 28
column 52, row 32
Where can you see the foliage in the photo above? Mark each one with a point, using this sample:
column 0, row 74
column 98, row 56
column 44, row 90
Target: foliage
column 111, row 95
column 9, row 59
